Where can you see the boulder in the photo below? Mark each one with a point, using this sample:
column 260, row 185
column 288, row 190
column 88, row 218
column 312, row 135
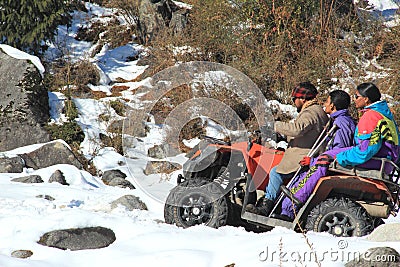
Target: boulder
column 158, row 15
column 166, row 167
column 111, row 174
column 58, row 177
column 78, row 238
column 11, row 164
column 116, row 178
column 130, row 202
column 31, row 179
column 120, row 182
column 49, row 154
column 24, row 104
column 158, row 151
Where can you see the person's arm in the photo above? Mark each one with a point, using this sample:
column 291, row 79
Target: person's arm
column 299, row 127
column 343, row 136
column 369, row 141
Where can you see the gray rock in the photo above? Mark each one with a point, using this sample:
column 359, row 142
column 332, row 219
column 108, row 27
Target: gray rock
column 116, row 178
column 11, row 165
column 31, row 179
column 78, row 238
column 121, row 182
column 158, row 151
column 167, row 167
column 109, row 175
column 158, row 15
column 377, row 257
column 58, row 177
column 130, row 202
column 50, row 154
column 24, row 104
column 47, row 197
column 179, row 20
column 384, row 233
column 134, row 124
column 22, row 254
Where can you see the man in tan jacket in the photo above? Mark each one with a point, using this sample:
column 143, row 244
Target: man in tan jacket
column 301, row 135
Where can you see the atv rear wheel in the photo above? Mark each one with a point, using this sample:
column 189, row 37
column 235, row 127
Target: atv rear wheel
column 196, row 202
column 340, row 217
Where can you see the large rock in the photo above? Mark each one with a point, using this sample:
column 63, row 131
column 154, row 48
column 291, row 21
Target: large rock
column 159, row 15
column 78, row 238
column 50, row 154
column 30, row 179
column 116, row 178
column 11, row 164
column 130, row 202
column 153, row 167
column 24, row 104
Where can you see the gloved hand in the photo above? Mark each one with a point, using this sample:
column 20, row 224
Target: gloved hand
column 324, row 160
column 305, row 161
column 280, row 137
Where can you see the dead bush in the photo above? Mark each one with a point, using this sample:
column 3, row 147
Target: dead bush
column 72, row 78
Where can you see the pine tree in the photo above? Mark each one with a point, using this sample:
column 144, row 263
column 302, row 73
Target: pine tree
column 24, row 24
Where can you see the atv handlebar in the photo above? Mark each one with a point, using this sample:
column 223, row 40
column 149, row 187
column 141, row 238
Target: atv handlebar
column 216, row 140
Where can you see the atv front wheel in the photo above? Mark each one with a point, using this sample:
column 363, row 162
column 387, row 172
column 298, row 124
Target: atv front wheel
column 196, row 202
column 340, row 217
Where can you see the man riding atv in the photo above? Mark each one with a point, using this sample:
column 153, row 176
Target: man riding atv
column 221, row 178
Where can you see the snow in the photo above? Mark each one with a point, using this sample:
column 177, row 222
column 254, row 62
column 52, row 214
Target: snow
column 142, row 239
column 18, row 54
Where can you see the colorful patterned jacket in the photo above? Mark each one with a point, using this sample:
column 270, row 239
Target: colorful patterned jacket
column 376, row 135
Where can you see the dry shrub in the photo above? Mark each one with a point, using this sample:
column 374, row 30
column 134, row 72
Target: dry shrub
column 117, row 89
column 98, row 94
column 276, row 43
column 169, row 101
column 73, row 77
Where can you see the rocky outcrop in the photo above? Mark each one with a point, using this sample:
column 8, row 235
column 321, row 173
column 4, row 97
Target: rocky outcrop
column 159, row 15
column 78, row 238
column 24, row 104
column 11, row 164
column 49, row 154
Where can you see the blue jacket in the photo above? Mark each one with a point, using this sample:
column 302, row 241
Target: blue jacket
column 376, row 135
column 343, row 136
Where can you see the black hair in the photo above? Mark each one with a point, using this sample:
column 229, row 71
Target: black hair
column 340, row 99
column 369, row 90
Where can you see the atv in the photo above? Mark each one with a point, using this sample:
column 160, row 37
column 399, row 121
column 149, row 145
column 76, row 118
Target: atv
column 221, row 178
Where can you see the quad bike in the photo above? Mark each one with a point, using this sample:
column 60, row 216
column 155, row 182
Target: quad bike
column 221, row 178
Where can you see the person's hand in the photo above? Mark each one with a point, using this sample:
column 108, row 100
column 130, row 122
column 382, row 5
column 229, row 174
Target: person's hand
column 305, row 161
column 324, row 160
column 279, row 137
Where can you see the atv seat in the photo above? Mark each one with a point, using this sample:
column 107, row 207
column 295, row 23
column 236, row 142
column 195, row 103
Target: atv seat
column 392, row 178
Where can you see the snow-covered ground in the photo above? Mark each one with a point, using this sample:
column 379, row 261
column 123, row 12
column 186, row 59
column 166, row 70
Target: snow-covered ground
column 142, row 239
